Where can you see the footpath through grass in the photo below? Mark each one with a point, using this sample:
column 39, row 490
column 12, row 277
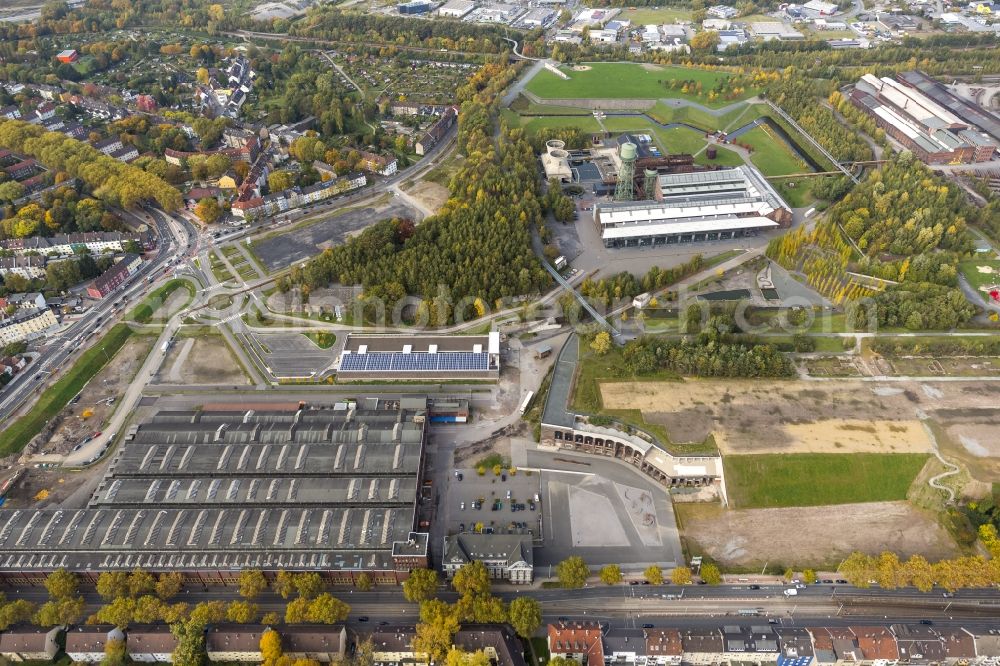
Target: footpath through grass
column 817, row 479
column 15, row 436
column 143, row 312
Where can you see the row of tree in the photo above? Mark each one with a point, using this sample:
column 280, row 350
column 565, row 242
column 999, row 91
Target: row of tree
column 62, row 210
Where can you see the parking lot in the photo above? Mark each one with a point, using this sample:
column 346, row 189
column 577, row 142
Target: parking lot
column 293, row 354
column 284, row 249
column 502, row 504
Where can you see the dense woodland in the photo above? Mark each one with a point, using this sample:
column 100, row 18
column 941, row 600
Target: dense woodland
column 111, row 181
column 477, row 247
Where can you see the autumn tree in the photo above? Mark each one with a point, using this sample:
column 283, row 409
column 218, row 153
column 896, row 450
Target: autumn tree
column 62, row 584
column 421, row 585
column 270, row 646
column 601, row 344
column 112, row 585
column 611, row 574
column 681, row 576
column 572, row 572
column 472, row 578
column 208, row 210
column 710, row 574
column 525, row 615
column 653, row 575
column 705, row 40
column 168, row 585
column 242, row 612
column 458, row 657
column 436, row 629
column 252, row 583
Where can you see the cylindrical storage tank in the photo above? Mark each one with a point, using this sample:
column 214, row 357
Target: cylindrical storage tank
column 628, row 151
column 554, row 144
column 711, row 152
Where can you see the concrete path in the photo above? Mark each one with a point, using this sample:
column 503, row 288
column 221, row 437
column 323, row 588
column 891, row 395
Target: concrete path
column 175, row 370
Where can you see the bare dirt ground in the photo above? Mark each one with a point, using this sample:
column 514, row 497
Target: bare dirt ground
column 840, row 416
column 110, row 382
column 823, row 535
column 208, row 361
column 430, row 194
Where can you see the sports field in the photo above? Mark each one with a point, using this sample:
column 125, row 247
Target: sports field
column 815, row 479
column 626, row 81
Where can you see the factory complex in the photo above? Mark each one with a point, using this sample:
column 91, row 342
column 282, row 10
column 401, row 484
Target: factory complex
column 212, row 491
column 926, row 119
column 695, row 206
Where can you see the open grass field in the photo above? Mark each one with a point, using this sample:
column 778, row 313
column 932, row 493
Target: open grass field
column 15, row 436
column 771, row 154
column 659, row 15
column 533, row 125
column 982, row 274
column 674, row 140
column 815, row 479
column 626, row 81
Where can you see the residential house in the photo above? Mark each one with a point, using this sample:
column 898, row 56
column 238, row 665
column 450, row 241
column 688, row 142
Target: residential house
column 380, row 164
column 234, row 642
column 702, row 645
column 196, row 194
column 437, row 131
column 323, row 643
column 126, row 153
column 29, row 643
column 624, row 647
column 919, row 644
column 228, row 180
column 26, row 325
column 795, row 646
column 45, row 111
column 12, row 112
column 11, row 365
column 114, row 277
column 960, row 644
column 68, row 56
column 150, row 644
column 663, row 647
column 85, row 643
column 394, row 645
column 22, row 169
column 579, row 641
column 25, row 301
column 110, row 145
column 876, row 643
column 506, row 556
column 29, row 267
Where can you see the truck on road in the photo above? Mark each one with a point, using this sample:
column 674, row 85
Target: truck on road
column 165, row 347
column 791, row 592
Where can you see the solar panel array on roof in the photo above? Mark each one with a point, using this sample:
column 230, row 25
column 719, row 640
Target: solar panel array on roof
column 415, row 362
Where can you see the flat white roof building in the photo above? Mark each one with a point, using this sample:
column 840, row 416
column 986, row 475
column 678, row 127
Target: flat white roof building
column 775, row 30
column 456, row 8
column 820, row 7
column 707, row 205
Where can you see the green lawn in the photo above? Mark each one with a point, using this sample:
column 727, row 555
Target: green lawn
column 657, row 15
column 626, row 81
column 322, row 339
column 16, row 435
column 144, row 311
column 673, row 141
column 532, row 125
column 979, row 279
column 771, row 154
column 816, row 479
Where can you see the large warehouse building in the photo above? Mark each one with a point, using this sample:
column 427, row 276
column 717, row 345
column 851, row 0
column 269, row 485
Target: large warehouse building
column 706, row 205
column 403, row 357
column 933, row 132
column 210, row 492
